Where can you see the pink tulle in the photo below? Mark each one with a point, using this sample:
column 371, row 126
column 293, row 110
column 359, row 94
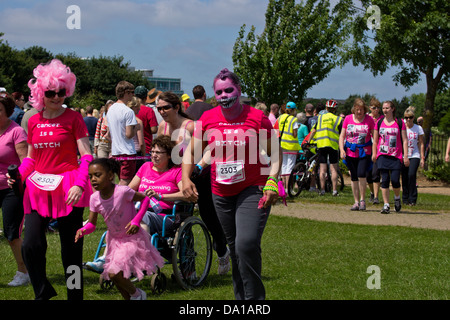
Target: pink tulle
column 53, row 203
column 131, row 254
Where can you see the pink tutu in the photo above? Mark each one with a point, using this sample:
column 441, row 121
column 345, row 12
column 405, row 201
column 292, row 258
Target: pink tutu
column 52, row 203
column 132, row 254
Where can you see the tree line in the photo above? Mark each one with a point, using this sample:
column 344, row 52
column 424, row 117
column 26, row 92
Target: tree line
column 97, row 77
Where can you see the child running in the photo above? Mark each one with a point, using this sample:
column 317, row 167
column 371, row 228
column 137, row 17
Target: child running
column 129, row 249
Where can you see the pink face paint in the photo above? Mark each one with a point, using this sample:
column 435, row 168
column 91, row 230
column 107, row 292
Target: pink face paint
column 227, row 93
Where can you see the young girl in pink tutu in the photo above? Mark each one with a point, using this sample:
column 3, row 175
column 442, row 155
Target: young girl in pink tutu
column 129, row 249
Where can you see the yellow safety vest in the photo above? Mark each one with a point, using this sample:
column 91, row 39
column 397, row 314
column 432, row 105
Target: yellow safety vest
column 327, row 131
column 288, row 141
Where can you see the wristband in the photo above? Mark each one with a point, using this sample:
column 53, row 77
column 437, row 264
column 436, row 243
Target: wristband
column 87, row 229
column 83, row 171
column 199, row 166
column 26, row 167
column 138, row 218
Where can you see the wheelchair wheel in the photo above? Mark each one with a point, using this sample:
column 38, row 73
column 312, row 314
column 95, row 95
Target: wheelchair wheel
column 298, row 180
column 191, row 253
column 106, row 285
column 159, row 283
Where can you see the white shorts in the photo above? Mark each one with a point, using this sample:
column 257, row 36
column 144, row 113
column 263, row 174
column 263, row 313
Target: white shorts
column 288, row 163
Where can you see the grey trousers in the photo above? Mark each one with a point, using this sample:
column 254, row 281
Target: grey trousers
column 243, row 224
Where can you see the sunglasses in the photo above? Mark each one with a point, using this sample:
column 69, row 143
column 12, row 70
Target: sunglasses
column 51, row 93
column 166, row 107
column 409, row 118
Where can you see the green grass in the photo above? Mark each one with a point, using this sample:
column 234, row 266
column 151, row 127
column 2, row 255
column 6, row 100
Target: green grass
column 302, row 260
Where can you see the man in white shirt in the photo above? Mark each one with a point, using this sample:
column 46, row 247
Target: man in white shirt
column 122, row 127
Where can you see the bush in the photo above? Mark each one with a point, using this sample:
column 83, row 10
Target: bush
column 438, row 171
column 444, row 124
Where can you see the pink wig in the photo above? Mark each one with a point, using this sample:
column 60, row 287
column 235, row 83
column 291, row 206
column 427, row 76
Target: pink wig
column 53, row 75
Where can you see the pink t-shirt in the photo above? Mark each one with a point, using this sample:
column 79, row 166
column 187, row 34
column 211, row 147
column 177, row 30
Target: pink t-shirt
column 54, row 141
column 389, row 142
column 162, row 182
column 358, row 133
column 235, row 152
column 8, row 155
column 117, row 211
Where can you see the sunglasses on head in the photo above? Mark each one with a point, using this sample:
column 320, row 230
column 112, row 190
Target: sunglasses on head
column 51, row 93
column 166, row 107
column 409, row 118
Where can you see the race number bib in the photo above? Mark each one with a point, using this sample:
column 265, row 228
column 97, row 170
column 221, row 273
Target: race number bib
column 46, row 182
column 230, row 172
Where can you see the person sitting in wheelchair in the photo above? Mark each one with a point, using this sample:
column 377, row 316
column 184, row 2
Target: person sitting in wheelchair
column 159, row 179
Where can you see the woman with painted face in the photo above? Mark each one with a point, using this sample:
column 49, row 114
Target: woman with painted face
column 57, row 186
column 244, row 186
column 180, row 127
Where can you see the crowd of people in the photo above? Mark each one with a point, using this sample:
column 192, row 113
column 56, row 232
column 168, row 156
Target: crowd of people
column 230, row 158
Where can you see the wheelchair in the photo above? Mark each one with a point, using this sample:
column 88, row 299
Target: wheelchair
column 186, row 245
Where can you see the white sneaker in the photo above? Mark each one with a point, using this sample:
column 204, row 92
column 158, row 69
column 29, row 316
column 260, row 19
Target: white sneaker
column 20, row 279
column 224, row 264
column 141, row 296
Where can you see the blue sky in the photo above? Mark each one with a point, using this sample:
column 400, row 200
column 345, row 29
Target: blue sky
column 188, row 39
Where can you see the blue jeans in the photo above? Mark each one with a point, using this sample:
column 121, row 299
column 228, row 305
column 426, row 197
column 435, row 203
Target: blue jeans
column 243, row 224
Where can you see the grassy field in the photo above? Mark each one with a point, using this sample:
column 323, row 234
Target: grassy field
column 302, row 260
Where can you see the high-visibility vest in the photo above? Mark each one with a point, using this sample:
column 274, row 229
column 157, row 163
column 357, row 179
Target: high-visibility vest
column 327, row 130
column 288, row 141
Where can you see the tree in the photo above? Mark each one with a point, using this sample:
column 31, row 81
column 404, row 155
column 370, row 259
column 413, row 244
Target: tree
column 414, row 36
column 298, row 48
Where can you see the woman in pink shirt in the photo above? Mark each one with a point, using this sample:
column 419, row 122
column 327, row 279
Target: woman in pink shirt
column 390, row 150
column 13, row 142
column 355, row 144
column 57, row 185
column 236, row 135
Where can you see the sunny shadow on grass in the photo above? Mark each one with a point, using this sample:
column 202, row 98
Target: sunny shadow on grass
column 302, row 260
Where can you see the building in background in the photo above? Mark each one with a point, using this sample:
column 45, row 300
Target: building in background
column 163, row 83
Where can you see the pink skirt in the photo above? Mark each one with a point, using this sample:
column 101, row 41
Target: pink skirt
column 52, row 204
column 131, row 254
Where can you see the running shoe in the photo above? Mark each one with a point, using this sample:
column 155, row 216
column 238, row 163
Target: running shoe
column 97, row 265
column 20, row 279
column 322, row 193
column 224, row 264
column 335, row 193
column 362, row 205
column 386, row 209
column 142, row 295
column 397, row 205
column 376, row 201
column 372, row 197
column 355, row 207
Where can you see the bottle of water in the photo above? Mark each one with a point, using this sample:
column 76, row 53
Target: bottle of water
column 312, row 166
column 156, row 207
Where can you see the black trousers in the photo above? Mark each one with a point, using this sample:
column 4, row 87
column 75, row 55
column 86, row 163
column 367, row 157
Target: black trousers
column 208, row 211
column 34, row 249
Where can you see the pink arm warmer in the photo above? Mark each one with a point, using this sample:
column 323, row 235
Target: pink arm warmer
column 83, row 171
column 26, row 167
column 144, row 205
column 87, row 229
